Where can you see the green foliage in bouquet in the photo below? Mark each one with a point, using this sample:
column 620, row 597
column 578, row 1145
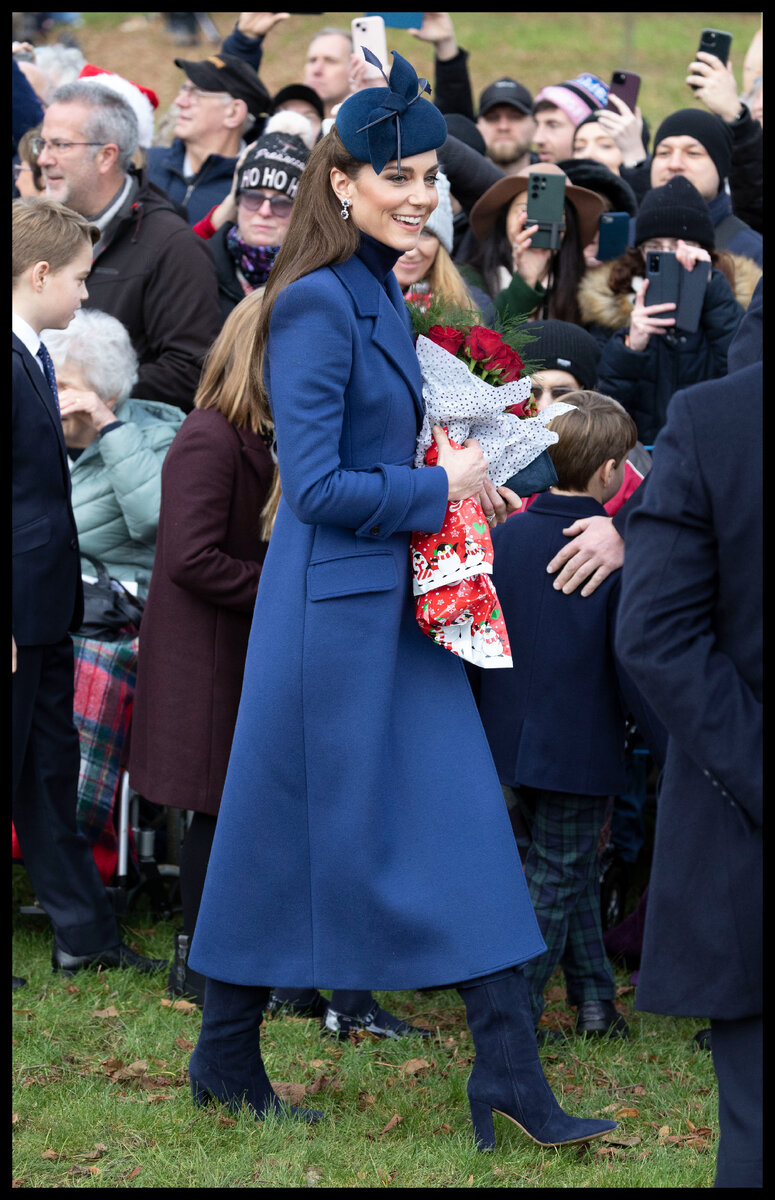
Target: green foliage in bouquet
column 439, row 310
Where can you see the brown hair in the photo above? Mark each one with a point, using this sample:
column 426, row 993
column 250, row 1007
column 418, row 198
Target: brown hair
column 444, row 279
column 632, row 263
column 599, row 428
column 231, row 380
column 27, row 154
column 317, row 236
column 46, row 231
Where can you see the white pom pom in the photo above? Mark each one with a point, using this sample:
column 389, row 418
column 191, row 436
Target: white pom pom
column 288, row 121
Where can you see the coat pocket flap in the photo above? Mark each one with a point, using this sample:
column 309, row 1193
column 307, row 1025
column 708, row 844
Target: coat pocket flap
column 33, row 534
column 351, row 575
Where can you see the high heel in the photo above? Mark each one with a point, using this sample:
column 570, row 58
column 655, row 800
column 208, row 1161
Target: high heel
column 226, row 1064
column 507, row 1076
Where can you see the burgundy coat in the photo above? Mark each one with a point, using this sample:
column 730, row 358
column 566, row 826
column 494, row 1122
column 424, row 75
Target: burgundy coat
column 197, row 618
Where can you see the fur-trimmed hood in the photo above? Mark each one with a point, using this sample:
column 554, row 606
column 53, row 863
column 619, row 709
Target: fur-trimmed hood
column 600, row 306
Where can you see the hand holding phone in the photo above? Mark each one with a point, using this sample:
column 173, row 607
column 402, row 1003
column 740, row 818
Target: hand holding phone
column 530, row 264
column 648, row 318
column 625, row 85
column 716, row 42
column 546, row 209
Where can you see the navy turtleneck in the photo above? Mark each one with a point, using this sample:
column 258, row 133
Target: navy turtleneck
column 379, row 258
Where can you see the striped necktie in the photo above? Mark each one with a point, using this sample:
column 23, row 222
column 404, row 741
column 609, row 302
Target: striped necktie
column 48, row 370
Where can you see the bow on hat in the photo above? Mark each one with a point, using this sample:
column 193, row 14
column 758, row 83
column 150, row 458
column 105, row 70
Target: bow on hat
column 403, row 86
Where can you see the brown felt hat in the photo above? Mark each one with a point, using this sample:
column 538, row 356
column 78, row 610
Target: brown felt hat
column 588, row 205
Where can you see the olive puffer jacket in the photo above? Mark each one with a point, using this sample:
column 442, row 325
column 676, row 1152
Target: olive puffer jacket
column 116, row 490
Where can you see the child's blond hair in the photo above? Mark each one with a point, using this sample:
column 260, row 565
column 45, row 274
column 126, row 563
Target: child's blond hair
column 46, row 231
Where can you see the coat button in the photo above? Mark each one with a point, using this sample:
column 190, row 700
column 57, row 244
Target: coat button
column 73, row 544
column 374, row 531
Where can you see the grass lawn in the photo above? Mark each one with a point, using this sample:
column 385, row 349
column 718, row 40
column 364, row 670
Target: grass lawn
column 538, row 48
column 101, row 1099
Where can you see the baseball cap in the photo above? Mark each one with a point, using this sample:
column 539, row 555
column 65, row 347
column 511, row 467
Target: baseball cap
column 298, row 91
column 506, row 91
column 224, row 73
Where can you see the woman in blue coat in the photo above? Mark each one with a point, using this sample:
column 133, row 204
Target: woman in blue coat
column 362, row 827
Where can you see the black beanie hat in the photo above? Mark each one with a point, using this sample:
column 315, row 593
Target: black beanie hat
column 561, row 346
column 706, row 128
column 589, row 173
column 675, row 210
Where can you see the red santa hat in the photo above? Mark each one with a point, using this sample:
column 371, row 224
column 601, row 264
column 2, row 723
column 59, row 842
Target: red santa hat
column 143, row 100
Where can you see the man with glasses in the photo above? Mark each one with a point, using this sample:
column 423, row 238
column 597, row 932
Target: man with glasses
column 219, row 103
column 150, row 270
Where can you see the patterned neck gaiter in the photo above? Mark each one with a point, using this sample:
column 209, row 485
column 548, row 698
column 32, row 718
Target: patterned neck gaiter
column 255, row 262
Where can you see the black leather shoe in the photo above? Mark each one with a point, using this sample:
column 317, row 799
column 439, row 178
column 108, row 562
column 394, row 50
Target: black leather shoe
column 702, row 1040
column 18, row 982
column 376, row 1020
column 600, row 1018
column 119, row 956
column 297, row 1008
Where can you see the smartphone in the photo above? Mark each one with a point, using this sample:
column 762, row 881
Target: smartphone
column 370, row 32
column 399, row 20
column 692, row 286
column 546, row 208
column 716, row 41
column 614, row 235
column 662, row 273
column 625, row 85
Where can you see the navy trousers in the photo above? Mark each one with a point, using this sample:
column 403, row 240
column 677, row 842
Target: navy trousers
column 738, row 1062
column 46, row 760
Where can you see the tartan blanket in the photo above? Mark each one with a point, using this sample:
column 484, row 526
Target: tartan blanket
column 105, row 677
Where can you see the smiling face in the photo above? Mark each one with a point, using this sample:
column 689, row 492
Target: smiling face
column 416, row 263
column 392, row 207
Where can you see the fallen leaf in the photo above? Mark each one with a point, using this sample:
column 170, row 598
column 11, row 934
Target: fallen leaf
column 185, row 1006
column 292, row 1093
column 413, row 1066
column 14, row 1118
column 663, row 1131
column 226, row 1121
column 394, row 1120
column 625, row 989
column 106, row 1013
column 51, row 1155
column 72, row 988
column 184, row 1044
column 615, row 1139
column 133, row 1173
column 157, row 1097
column 95, row 1154
column 626, row 1112
column 365, row 1100
column 112, row 1064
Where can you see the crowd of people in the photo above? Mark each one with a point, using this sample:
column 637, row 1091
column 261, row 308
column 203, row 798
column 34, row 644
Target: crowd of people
column 216, row 397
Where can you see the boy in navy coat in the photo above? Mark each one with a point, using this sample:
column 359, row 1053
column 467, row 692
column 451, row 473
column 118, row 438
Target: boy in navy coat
column 52, row 257
column 556, row 721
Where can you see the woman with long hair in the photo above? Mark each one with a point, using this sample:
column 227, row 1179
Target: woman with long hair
column 524, row 280
column 355, row 846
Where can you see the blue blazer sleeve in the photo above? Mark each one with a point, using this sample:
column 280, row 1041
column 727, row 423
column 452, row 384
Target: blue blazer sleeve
column 313, row 339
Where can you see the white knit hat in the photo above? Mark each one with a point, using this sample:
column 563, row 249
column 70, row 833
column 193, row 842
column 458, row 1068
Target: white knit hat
column 440, row 220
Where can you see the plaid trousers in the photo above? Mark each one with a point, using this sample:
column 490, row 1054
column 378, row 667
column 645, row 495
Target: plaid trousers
column 561, row 869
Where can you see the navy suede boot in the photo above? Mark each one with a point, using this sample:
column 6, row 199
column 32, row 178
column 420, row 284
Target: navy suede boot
column 226, row 1063
column 507, row 1077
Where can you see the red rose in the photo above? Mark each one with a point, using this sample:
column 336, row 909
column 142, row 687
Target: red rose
column 447, row 337
column 508, row 362
column 482, row 343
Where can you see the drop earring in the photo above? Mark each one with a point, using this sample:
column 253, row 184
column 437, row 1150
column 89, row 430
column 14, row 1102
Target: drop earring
column 344, row 213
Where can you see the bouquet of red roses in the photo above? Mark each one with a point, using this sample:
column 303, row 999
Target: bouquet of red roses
column 473, row 386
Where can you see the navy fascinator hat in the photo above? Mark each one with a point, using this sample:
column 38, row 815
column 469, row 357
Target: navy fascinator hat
column 380, row 124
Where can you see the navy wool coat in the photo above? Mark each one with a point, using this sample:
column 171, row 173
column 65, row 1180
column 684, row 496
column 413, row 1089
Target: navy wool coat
column 690, row 634
column 557, row 720
column 362, row 840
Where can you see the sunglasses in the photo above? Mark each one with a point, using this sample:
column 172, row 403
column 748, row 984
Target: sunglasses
column 555, row 392
column 281, row 206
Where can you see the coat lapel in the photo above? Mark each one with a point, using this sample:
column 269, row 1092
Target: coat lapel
column 392, row 334
column 45, row 395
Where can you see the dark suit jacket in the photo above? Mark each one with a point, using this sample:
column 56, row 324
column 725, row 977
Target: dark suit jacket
column 690, row 634
column 555, row 720
column 47, row 594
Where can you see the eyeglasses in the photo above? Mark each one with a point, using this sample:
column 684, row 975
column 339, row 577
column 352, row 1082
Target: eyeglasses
column 191, row 92
column 555, row 392
column 281, row 206
column 17, row 170
column 40, row 144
